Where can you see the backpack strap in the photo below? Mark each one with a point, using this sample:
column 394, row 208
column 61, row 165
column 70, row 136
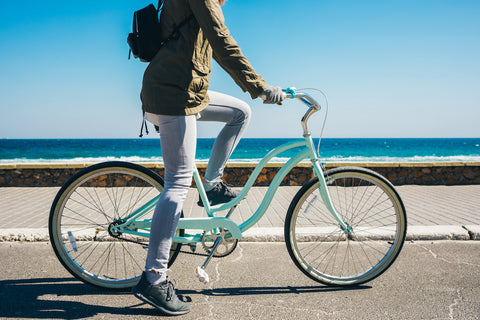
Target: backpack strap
column 174, row 35
column 144, row 125
column 160, row 5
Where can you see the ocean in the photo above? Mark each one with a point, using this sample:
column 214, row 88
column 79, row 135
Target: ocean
column 332, row 150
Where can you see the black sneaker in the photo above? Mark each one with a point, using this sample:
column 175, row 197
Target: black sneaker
column 221, row 193
column 162, row 297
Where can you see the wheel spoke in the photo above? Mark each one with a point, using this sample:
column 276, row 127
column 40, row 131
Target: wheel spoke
column 369, row 205
column 83, row 212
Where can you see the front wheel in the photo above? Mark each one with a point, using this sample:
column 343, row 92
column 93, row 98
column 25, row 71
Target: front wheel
column 83, row 220
column 369, row 205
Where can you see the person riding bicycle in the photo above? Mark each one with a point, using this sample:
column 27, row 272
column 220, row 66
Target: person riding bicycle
column 174, row 96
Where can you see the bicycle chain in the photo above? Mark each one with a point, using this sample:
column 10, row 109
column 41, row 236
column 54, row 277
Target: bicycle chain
column 146, row 244
column 229, row 244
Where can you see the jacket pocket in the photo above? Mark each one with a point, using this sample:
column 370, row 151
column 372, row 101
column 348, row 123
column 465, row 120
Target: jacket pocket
column 198, row 85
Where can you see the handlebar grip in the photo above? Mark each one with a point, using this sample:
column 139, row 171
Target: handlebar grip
column 286, row 94
column 264, row 96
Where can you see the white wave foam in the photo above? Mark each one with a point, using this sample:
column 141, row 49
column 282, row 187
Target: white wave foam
column 404, row 159
column 82, row 160
column 460, row 158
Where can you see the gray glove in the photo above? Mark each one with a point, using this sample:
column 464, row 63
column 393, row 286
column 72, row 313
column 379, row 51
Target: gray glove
column 272, row 95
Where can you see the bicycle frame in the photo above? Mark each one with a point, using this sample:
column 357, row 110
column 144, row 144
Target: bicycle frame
column 307, row 151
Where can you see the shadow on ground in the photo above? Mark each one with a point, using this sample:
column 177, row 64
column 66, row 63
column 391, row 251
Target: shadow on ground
column 67, row 298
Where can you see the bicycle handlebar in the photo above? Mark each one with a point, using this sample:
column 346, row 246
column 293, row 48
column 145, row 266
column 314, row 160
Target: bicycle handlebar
column 312, row 104
column 291, row 93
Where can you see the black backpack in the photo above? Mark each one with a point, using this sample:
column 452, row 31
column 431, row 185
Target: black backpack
column 145, row 38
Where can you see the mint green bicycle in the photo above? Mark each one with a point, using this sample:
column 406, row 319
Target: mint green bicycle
column 344, row 227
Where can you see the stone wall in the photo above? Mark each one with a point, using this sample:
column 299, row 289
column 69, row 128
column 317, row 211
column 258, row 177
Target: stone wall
column 236, row 174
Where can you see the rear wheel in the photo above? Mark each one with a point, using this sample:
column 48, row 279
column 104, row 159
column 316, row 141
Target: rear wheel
column 369, row 205
column 83, row 218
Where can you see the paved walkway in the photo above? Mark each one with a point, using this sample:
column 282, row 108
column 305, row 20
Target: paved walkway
column 434, row 212
column 429, row 280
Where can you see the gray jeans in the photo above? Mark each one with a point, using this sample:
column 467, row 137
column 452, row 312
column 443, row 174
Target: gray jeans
column 178, row 135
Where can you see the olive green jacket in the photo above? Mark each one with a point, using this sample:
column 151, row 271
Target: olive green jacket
column 176, row 80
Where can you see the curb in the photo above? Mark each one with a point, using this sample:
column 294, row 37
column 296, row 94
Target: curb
column 275, row 234
column 24, row 234
column 473, row 231
column 438, row 233
column 447, row 232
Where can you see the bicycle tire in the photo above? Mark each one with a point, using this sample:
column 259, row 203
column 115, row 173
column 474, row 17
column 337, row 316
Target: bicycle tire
column 80, row 216
column 364, row 200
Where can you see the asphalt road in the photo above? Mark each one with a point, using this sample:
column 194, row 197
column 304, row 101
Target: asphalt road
column 430, row 280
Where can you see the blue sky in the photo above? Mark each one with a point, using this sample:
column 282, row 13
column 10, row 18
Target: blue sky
column 406, row 68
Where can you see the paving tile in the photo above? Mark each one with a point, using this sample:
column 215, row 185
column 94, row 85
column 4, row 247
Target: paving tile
column 425, row 206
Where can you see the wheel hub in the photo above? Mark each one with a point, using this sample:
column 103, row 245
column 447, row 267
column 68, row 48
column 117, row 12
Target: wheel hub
column 113, row 230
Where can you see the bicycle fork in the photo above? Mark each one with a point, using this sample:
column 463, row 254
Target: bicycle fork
column 327, row 200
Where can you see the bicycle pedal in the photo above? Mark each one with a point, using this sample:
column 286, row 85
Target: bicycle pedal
column 202, row 275
column 193, row 247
